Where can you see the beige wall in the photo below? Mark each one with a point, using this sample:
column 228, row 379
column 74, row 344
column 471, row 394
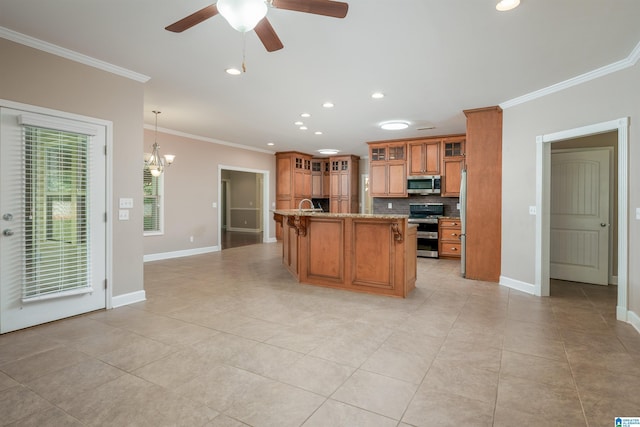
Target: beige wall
column 37, row 78
column 607, row 98
column 191, row 186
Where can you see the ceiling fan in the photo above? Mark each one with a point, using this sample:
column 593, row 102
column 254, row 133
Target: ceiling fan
column 245, row 15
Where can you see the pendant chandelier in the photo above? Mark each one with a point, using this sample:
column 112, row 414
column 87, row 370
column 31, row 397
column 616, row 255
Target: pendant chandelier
column 153, row 162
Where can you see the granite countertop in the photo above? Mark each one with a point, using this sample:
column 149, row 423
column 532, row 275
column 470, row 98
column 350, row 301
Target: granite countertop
column 449, row 217
column 317, row 213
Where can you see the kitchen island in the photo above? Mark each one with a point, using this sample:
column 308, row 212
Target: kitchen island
column 358, row 252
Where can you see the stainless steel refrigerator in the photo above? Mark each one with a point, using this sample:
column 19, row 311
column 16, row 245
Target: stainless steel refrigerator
column 463, row 222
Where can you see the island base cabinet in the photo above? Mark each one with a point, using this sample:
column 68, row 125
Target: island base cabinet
column 355, row 253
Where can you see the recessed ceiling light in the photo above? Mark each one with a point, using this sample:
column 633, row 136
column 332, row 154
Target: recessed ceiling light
column 377, row 95
column 305, row 115
column 505, row 5
column 233, row 71
column 318, row 132
column 270, row 143
column 328, row 151
column 328, row 105
column 298, row 123
column 303, row 128
column 394, row 125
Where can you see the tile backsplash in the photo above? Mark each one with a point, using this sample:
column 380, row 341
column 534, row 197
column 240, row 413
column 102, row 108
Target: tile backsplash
column 401, row 205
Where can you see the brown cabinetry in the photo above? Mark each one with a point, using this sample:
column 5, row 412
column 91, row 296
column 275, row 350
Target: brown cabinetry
column 320, row 178
column 343, row 184
column 424, row 157
column 388, row 169
column 449, row 238
column 453, row 161
column 293, row 181
column 484, row 193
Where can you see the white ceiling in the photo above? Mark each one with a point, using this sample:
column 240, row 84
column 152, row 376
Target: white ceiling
column 432, row 59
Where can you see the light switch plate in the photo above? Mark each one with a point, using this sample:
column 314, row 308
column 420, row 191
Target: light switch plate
column 126, row 203
column 637, row 213
column 214, row 205
column 123, row 215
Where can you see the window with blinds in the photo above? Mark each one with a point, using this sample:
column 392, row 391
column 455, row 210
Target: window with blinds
column 152, row 190
column 56, row 243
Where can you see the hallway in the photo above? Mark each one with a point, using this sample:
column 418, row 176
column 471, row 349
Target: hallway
column 230, row 339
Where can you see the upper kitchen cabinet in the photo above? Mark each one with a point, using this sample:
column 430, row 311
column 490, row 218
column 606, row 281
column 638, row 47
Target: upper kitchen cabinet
column 293, row 180
column 424, row 157
column 320, row 178
column 344, row 184
column 453, row 161
column 388, row 169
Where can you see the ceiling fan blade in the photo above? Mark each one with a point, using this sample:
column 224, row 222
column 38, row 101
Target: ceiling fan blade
column 334, row 9
column 193, row 19
column 268, row 36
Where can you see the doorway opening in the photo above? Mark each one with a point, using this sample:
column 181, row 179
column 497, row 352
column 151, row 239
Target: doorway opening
column 543, row 204
column 243, row 214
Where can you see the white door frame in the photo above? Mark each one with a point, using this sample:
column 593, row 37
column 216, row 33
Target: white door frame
column 265, row 204
column 543, row 189
column 108, row 125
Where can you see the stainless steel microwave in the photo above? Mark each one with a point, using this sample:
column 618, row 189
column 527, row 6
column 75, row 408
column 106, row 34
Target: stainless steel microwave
column 423, row 185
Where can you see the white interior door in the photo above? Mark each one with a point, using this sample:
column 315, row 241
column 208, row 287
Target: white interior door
column 579, row 240
column 52, row 216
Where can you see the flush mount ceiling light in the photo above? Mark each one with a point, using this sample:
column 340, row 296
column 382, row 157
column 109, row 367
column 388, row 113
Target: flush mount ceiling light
column 328, row 105
column 505, row 5
column 153, row 162
column 377, row 95
column 270, row 144
column 305, row 115
column 303, row 128
column 328, row 151
column 242, row 15
column 298, row 123
column 394, row 125
column 233, row 71
column 318, row 132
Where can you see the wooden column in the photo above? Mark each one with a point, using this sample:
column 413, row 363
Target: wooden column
column 484, row 193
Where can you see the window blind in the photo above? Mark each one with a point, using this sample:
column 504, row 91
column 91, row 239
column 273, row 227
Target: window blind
column 56, row 248
column 152, row 202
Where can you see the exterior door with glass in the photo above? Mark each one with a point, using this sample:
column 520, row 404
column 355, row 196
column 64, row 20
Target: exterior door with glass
column 53, row 218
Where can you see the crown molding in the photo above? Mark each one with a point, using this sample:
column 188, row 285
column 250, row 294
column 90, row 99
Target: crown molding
column 629, row 61
column 23, row 39
column 207, row 139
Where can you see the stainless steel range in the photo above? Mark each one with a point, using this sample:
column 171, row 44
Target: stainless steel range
column 426, row 216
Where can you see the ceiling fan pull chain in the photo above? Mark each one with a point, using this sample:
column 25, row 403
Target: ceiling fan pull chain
column 244, row 48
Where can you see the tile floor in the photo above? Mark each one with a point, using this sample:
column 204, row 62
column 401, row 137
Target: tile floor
column 230, row 339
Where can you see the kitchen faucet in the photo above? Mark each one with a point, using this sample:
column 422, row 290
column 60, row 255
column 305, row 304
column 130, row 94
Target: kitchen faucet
column 305, row 200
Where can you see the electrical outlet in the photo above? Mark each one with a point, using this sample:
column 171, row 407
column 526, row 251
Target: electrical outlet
column 389, row 205
column 214, row 205
column 191, row 239
column 532, row 210
column 123, row 215
column 637, row 213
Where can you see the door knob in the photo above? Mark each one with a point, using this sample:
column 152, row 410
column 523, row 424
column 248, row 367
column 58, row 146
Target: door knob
column 7, row 217
column 7, row 232
column 602, row 224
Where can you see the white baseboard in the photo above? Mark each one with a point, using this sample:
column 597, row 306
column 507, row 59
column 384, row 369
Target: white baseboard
column 613, row 280
column 518, row 285
column 126, row 299
column 180, row 254
column 634, row 319
column 270, row 240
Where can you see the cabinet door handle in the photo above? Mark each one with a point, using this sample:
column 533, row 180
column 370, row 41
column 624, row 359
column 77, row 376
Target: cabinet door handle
column 454, row 249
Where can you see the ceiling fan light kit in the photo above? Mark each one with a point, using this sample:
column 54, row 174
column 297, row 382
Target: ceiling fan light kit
column 247, row 15
column 242, row 15
column 506, row 5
